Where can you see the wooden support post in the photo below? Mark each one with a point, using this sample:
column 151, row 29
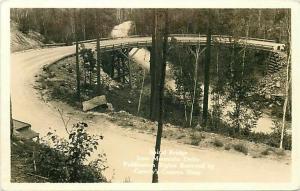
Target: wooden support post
column 129, row 69
column 129, row 58
column 123, row 68
column 118, row 68
column 112, row 73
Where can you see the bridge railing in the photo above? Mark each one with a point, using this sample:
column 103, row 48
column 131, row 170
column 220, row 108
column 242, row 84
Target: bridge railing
column 226, row 39
column 125, row 45
column 220, row 36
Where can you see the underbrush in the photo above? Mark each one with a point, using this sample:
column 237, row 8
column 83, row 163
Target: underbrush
column 60, row 160
column 241, row 148
column 272, row 139
column 196, row 138
column 218, row 143
column 62, row 86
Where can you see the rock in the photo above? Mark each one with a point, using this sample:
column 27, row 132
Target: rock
column 268, row 96
column 52, row 75
column 70, row 70
column 168, row 125
column 95, row 102
column 110, row 107
column 45, row 68
column 198, row 127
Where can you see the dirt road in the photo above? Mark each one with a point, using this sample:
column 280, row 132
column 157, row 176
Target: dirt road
column 129, row 153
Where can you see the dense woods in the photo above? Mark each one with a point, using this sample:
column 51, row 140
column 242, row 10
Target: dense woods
column 58, row 25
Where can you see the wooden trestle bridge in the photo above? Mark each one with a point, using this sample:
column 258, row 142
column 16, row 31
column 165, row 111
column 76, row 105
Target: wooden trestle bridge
column 121, row 56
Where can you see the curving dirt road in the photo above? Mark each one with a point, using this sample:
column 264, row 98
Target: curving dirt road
column 129, row 153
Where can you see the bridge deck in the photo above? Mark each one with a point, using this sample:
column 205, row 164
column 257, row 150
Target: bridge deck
column 137, row 41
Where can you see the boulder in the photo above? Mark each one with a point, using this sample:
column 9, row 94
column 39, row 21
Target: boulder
column 94, row 102
column 198, row 126
column 110, row 107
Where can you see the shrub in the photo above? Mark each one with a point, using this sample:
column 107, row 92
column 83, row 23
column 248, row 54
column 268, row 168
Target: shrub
column 218, row 143
column 267, row 151
column 241, row 148
column 280, row 152
column 227, row 147
column 62, row 160
column 181, row 136
column 196, row 138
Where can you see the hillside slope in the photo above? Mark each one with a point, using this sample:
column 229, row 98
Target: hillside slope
column 20, row 41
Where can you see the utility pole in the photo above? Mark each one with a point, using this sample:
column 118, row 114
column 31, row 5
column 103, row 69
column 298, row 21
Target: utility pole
column 153, row 65
column 160, row 100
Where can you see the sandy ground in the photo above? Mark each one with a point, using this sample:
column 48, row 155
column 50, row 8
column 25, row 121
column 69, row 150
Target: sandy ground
column 125, row 149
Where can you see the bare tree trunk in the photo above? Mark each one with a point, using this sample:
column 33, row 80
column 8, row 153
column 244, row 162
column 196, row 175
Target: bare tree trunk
column 195, row 83
column 72, row 23
column 288, row 80
column 98, row 54
column 90, row 77
column 85, row 77
column 98, row 64
column 82, row 23
column 161, row 97
column 259, row 18
column 184, row 97
column 141, row 93
column 77, row 59
column 206, row 77
column 217, row 94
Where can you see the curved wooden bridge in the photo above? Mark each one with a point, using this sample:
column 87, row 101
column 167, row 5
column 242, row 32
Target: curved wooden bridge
column 121, row 56
column 108, row 44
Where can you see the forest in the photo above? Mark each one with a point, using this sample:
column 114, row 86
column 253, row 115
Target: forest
column 58, row 25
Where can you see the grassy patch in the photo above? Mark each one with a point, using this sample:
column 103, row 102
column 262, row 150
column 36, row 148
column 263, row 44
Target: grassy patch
column 196, row 138
column 267, row 151
column 227, row 147
column 218, row 143
column 25, row 154
column 280, row 152
column 241, row 148
column 180, row 136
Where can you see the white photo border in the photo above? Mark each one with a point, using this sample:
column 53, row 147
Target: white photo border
column 5, row 91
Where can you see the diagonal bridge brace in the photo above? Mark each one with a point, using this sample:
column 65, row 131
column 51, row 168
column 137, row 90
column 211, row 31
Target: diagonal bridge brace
column 129, row 58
